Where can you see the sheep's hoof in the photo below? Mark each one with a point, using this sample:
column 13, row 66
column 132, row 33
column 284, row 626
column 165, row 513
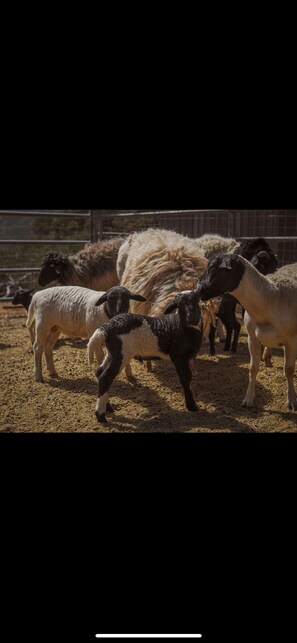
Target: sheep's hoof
column 109, row 408
column 101, row 417
column 54, row 374
column 246, row 404
column 40, row 379
column 132, row 379
column 268, row 363
column 292, row 406
column 193, row 408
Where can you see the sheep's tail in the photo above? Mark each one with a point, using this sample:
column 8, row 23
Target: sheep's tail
column 95, row 341
column 30, row 315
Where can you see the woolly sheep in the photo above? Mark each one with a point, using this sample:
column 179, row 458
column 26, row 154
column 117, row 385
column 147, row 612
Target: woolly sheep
column 92, row 267
column 71, row 310
column 270, row 303
column 174, row 337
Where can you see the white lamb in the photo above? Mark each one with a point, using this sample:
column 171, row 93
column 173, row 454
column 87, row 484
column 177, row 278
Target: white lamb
column 74, row 311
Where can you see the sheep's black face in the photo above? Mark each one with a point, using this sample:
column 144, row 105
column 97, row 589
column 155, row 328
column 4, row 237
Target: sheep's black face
column 117, row 303
column 49, row 269
column 188, row 308
column 223, row 275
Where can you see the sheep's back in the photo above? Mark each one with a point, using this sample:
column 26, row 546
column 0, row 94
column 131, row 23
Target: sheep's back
column 158, row 269
column 210, row 245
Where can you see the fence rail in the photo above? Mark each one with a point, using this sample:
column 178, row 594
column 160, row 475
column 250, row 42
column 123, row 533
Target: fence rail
column 279, row 227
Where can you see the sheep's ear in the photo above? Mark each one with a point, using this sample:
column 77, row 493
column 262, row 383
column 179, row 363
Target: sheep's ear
column 170, row 308
column 136, row 297
column 226, row 263
column 101, row 300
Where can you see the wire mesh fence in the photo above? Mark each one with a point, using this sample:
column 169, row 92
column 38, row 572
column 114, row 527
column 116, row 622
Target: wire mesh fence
column 27, row 235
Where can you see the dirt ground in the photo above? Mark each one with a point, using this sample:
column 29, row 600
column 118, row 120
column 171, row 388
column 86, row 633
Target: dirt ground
column 155, row 404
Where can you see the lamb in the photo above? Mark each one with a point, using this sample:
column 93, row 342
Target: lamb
column 176, row 338
column 71, row 310
column 92, row 267
column 263, row 298
column 159, row 264
column 261, row 256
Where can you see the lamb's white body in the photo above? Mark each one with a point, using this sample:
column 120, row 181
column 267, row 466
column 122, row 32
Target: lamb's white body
column 62, row 309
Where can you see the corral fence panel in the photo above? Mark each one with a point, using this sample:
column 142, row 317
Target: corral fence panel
column 26, row 235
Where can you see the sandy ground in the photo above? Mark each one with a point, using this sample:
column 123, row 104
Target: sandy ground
column 155, row 404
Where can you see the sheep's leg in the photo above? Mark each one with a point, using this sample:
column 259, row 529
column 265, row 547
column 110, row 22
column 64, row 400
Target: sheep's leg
column 211, row 338
column 236, row 329
column 49, row 346
column 255, row 357
column 32, row 332
column 38, row 347
column 267, row 357
column 229, row 329
column 128, row 372
column 289, row 368
column 220, row 331
column 105, row 381
column 185, row 376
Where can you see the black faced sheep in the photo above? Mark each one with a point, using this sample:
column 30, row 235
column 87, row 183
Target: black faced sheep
column 271, row 311
column 259, row 253
column 92, row 267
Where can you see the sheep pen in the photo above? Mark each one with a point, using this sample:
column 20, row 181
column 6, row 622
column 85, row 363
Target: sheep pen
column 154, row 405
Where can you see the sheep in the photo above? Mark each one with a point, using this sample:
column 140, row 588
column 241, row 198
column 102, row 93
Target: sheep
column 92, row 267
column 261, row 256
column 176, row 338
column 71, row 310
column 271, row 311
column 159, row 264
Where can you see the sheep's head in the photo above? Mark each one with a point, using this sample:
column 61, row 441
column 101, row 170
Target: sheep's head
column 187, row 304
column 22, row 296
column 52, row 267
column 223, row 275
column 259, row 253
column 265, row 262
column 117, row 300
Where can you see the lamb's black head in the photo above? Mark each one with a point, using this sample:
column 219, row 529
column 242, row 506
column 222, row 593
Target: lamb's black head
column 259, row 253
column 22, row 297
column 52, row 267
column 117, row 300
column 187, row 304
column 223, row 274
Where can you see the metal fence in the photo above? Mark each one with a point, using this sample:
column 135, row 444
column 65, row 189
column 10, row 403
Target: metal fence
column 21, row 257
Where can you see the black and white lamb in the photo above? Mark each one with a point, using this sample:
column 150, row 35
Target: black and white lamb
column 271, row 311
column 92, row 267
column 175, row 337
column 74, row 311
